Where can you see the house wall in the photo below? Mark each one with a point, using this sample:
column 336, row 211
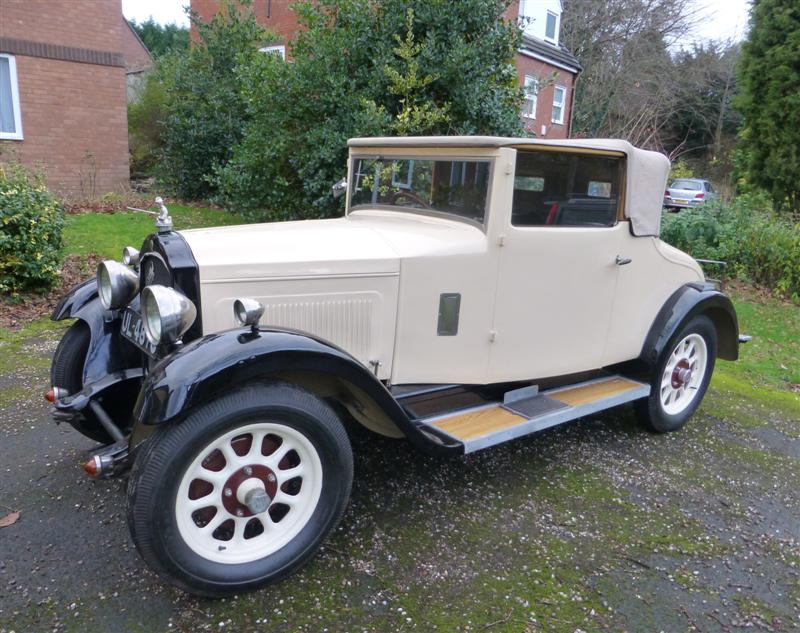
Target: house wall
column 138, row 61
column 71, row 79
column 274, row 14
column 549, row 76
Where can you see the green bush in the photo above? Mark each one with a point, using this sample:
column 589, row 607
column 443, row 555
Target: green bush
column 365, row 68
column 31, row 220
column 198, row 106
column 758, row 244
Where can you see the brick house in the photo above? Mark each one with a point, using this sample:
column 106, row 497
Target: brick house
column 547, row 71
column 62, row 92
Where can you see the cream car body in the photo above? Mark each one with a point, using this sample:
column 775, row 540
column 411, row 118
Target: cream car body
column 535, row 301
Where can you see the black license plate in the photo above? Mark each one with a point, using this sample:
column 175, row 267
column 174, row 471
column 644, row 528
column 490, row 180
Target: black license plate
column 133, row 330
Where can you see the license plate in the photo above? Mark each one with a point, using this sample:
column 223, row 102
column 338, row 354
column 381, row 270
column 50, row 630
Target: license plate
column 681, row 201
column 133, row 330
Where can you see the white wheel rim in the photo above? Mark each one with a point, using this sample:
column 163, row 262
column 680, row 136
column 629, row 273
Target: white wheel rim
column 219, row 526
column 683, row 373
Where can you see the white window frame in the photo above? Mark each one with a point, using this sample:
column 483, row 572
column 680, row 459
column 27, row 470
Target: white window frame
column 280, row 49
column 556, row 20
column 531, row 81
column 560, row 104
column 12, row 72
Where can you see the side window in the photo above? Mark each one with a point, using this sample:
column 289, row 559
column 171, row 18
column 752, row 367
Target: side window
column 10, row 119
column 531, row 89
column 559, row 98
column 566, row 189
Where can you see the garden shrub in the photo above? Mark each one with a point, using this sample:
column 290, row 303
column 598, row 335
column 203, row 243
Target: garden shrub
column 31, row 220
column 758, row 244
column 365, row 68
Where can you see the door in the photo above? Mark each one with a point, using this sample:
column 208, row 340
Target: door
column 558, row 264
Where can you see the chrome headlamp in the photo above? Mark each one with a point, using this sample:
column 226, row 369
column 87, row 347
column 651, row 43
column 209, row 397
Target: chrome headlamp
column 166, row 313
column 117, row 284
column 130, row 256
column 247, row 311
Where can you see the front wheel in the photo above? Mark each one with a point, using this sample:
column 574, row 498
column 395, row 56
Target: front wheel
column 242, row 492
column 680, row 378
column 66, row 372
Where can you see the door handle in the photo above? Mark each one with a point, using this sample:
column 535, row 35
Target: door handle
column 622, row 261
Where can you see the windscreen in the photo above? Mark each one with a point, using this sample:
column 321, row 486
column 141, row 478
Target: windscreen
column 453, row 187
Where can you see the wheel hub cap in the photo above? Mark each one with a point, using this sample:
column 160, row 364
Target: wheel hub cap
column 249, row 490
column 682, row 374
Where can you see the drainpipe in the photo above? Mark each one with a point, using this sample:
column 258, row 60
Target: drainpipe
column 572, row 104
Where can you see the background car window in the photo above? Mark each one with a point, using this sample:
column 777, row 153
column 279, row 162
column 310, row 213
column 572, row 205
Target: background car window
column 571, row 189
column 454, row 187
column 687, row 185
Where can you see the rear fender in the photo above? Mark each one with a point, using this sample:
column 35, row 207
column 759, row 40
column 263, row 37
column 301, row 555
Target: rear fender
column 687, row 302
column 108, row 351
column 216, row 363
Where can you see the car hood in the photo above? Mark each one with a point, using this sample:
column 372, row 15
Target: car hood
column 365, row 242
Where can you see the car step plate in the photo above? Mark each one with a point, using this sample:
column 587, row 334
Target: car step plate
column 490, row 424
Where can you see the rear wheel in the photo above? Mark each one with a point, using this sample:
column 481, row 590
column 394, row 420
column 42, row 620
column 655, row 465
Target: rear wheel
column 679, row 379
column 242, row 492
column 66, row 372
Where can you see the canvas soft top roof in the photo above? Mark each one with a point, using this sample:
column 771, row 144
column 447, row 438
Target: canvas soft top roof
column 646, row 176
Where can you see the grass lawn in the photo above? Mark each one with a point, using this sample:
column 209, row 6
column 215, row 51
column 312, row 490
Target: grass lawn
column 106, row 234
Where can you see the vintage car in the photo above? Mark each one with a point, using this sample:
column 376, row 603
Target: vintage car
column 477, row 290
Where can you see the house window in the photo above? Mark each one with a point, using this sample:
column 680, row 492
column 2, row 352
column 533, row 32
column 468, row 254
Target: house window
column 551, row 27
column 10, row 119
column 559, row 97
column 278, row 49
column 531, row 89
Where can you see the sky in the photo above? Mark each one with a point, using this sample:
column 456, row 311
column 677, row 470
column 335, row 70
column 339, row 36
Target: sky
column 717, row 19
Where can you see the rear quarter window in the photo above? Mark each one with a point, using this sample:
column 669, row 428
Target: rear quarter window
column 566, row 189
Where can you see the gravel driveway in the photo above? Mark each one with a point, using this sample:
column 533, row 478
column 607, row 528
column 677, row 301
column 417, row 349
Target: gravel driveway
column 596, row 526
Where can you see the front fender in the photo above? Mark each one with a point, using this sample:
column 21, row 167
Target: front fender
column 108, row 351
column 219, row 362
column 688, row 301
column 75, row 300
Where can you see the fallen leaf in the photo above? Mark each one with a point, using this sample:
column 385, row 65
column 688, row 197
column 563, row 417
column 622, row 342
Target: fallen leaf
column 9, row 519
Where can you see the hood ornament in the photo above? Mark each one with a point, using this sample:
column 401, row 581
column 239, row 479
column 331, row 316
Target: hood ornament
column 163, row 219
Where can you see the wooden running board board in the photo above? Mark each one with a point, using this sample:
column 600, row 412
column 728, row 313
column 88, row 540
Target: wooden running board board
column 490, row 424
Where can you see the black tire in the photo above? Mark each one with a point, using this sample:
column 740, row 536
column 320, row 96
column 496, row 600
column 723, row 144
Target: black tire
column 66, row 371
column 651, row 411
column 171, row 453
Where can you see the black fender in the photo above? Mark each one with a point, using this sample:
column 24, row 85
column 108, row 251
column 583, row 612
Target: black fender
column 108, row 352
column 219, row 362
column 685, row 303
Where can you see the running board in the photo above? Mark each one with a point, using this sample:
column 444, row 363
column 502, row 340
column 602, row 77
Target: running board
column 525, row 411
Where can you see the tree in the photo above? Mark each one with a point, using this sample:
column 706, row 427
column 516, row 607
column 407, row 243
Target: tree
column 626, row 89
column 161, row 39
column 362, row 68
column 204, row 107
column 705, row 85
column 769, row 76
